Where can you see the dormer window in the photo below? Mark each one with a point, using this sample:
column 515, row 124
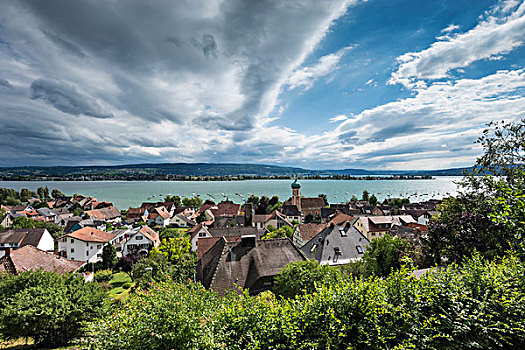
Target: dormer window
column 337, row 251
column 359, row 249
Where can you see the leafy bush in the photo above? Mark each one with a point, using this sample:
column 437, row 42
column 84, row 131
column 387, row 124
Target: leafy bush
column 46, row 306
column 479, row 305
column 103, row 275
column 302, row 277
column 167, row 316
column 126, row 285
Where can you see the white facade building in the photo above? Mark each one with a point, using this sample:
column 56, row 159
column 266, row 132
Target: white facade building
column 85, row 244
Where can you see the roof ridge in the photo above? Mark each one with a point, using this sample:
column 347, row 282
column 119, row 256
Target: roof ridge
column 224, row 248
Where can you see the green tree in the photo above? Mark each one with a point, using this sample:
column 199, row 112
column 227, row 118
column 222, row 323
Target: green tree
column 308, row 218
column 304, row 277
column 383, row 255
column 56, row 193
column 43, row 192
column 48, row 307
column 283, row 232
column 194, row 202
column 173, row 248
column 372, row 200
column 109, row 256
column 155, row 267
column 366, row 196
column 174, row 199
column 324, row 197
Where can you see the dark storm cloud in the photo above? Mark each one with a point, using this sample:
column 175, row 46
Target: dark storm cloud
column 67, row 98
column 5, row 83
column 141, row 76
column 207, row 45
column 64, row 44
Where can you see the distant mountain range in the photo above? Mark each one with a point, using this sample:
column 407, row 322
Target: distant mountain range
column 204, row 169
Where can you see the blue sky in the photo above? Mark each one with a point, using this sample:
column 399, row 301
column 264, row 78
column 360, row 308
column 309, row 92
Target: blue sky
column 318, row 84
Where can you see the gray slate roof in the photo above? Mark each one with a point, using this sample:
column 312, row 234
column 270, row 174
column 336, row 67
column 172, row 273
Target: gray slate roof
column 336, row 245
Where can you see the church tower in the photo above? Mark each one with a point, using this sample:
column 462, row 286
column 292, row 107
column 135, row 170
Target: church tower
column 296, row 194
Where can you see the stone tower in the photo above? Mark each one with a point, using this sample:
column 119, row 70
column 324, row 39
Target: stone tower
column 296, row 194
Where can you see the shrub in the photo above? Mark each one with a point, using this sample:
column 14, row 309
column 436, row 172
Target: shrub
column 167, row 316
column 478, row 305
column 46, row 306
column 126, row 285
column 103, row 275
column 304, row 277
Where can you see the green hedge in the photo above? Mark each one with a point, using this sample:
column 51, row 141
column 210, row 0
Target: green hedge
column 479, row 305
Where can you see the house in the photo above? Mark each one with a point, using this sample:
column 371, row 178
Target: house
column 6, row 221
column 196, row 233
column 62, row 214
column 76, row 223
column 373, row 227
column 292, row 213
column 250, row 264
column 159, row 217
column 138, row 214
column 140, row 240
column 339, row 218
column 336, row 245
column 305, row 232
column 48, row 214
column 32, row 258
column 179, row 220
column 205, row 243
column 275, row 219
column 188, row 212
column 85, row 244
column 227, row 208
column 21, row 237
column 110, row 214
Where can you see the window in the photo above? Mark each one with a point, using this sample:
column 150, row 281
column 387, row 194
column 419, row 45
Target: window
column 343, row 233
column 99, row 255
column 359, row 249
column 72, row 241
column 99, row 246
column 373, row 233
column 313, row 248
column 337, row 251
column 72, row 250
column 91, row 247
column 87, row 252
column 138, row 238
column 202, row 234
column 87, row 244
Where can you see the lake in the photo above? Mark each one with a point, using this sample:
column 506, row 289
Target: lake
column 125, row 194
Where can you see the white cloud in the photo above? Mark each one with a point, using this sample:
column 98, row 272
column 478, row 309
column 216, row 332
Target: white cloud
column 502, row 30
column 306, row 76
column 450, row 28
column 338, row 118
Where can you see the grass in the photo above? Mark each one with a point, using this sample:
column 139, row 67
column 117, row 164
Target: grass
column 116, row 285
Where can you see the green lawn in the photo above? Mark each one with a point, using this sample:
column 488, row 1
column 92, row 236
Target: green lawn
column 116, row 284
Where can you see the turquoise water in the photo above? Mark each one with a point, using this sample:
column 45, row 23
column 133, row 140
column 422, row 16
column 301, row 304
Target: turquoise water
column 125, row 194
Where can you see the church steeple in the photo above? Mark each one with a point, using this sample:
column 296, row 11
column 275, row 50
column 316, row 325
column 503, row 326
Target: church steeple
column 296, row 194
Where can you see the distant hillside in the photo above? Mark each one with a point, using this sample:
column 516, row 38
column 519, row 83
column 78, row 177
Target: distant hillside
column 201, row 169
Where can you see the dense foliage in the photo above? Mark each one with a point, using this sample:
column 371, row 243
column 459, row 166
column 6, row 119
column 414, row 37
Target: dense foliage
column 478, row 305
column 383, row 255
column 48, row 307
column 303, row 277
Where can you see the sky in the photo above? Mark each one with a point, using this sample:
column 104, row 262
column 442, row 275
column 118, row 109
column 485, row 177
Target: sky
column 398, row 84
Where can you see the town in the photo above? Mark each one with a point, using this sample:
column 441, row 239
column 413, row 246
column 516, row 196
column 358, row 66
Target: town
column 275, row 232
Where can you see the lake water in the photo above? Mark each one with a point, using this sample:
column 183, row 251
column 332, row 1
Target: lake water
column 125, row 194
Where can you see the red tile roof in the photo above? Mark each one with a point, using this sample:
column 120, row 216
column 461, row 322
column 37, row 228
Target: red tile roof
column 31, row 258
column 91, row 234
